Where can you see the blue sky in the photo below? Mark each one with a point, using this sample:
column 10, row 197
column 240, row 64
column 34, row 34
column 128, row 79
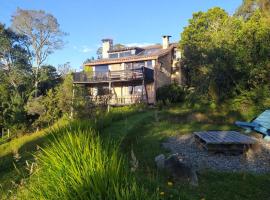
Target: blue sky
column 128, row 22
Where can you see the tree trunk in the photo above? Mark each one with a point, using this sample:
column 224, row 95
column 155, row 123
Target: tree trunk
column 36, row 78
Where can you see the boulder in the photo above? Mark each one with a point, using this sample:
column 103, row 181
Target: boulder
column 177, row 168
column 160, row 160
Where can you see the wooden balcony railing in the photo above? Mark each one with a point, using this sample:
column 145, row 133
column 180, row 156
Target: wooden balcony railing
column 122, row 75
column 122, row 100
column 127, row 100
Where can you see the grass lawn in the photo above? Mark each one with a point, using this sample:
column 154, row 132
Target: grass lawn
column 16, row 153
column 143, row 132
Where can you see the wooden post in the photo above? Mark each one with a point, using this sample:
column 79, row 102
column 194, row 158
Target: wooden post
column 144, row 85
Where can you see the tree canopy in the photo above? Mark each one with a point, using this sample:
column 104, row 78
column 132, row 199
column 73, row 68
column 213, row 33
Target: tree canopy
column 43, row 33
column 225, row 56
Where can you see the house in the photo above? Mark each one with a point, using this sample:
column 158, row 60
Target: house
column 131, row 74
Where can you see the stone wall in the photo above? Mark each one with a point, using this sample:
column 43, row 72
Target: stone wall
column 163, row 70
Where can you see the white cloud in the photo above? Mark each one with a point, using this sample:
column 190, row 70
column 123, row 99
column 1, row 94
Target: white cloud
column 86, row 49
column 82, row 48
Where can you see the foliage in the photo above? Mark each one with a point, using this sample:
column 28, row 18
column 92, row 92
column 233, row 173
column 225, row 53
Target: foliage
column 43, row 33
column 44, row 108
column 172, row 93
column 224, row 56
column 13, row 112
column 142, row 132
column 49, row 78
column 34, row 36
column 87, row 167
column 65, row 95
column 248, row 7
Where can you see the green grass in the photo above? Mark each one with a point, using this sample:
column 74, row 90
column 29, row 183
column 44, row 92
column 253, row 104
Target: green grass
column 79, row 165
column 142, row 132
column 13, row 171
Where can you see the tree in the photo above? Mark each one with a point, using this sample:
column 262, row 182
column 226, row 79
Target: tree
column 48, row 78
column 226, row 56
column 206, row 44
column 15, row 78
column 14, row 58
column 65, row 95
column 13, row 112
column 248, row 7
column 64, row 69
column 44, row 109
column 43, row 32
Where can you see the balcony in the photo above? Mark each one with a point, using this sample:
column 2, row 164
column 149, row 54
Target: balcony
column 113, row 76
column 127, row 100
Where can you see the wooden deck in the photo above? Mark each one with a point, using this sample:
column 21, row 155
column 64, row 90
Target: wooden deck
column 224, row 141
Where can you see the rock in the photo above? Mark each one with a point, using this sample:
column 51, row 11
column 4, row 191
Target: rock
column 180, row 170
column 160, row 160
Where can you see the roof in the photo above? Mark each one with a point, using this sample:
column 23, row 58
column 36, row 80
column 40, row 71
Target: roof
column 148, row 53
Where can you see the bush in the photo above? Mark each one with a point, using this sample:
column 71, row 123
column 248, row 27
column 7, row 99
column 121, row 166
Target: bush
column 253, row 102
column 78, row 165
column 172, row 93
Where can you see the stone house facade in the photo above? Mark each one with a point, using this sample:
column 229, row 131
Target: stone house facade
column 132, row 74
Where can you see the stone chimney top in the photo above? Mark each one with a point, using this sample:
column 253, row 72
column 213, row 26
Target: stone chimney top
column 165, row 41
column 107, row 45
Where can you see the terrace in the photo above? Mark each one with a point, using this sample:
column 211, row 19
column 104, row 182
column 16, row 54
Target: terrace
column 139, row 74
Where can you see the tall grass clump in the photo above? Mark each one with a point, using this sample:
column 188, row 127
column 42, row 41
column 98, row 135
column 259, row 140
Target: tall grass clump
column 79, row 165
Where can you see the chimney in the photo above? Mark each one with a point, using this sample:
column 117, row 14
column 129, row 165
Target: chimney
column 107, row 45
column 165, row 41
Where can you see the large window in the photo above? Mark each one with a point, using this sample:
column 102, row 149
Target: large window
column 125, row 54
column 139, row 65
column 113, row 55
column 102, row 68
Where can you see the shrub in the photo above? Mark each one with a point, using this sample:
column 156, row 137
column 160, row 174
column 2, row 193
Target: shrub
column 172, row 93
column 78, row 165
column 251, row 103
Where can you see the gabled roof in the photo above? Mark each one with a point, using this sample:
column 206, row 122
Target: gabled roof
column 148, row 53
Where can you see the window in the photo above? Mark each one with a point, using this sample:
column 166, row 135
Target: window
column 102, row 68
column 113, row 55
column 148, row 64
column 135, row 90
column 138, row 65
column 176, row 54
column 125, row 54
